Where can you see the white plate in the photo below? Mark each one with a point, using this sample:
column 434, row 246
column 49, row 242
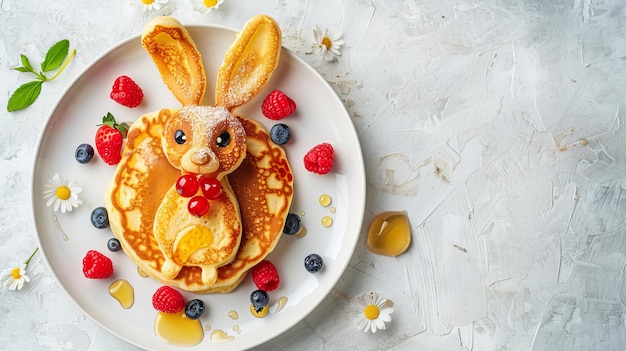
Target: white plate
column 320, row 117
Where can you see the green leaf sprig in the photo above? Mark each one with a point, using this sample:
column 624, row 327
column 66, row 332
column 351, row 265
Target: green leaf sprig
column 56, row 59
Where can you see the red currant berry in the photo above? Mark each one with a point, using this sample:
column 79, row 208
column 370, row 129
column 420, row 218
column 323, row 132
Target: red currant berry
column 198, row 206
column 187, row 185
column 211, row 187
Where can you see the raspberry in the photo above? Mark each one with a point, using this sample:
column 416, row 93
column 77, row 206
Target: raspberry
column 167, row 299
column 126, row 92
column 320, row 158
column 277, row 105
column 265, row 276
column 97, row 265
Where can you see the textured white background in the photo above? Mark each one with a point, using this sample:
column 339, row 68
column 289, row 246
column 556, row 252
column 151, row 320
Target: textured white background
column 471, row 116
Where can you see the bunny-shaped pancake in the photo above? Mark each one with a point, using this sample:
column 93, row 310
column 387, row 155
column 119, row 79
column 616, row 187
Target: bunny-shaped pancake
column 210, row 253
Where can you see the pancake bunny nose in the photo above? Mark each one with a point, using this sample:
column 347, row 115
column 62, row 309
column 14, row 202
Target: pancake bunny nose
column 200, row 157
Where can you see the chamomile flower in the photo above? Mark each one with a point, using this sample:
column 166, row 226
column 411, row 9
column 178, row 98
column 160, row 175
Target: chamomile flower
column 205, row 6
column 62, row 194
column 327, row 44
column 370, row 312
column 16, row 277
column 148, row 5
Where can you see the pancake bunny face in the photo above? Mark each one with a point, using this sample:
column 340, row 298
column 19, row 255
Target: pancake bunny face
column 204, row 140
column 154, row 223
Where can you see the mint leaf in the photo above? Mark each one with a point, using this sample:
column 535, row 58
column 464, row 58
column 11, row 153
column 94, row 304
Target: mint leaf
column 55, row 56
column 26, row 64
column 55, row 59
column 24, row 96
column 22, row 69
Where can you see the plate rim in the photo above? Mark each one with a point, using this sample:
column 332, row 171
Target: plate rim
column 360, row 214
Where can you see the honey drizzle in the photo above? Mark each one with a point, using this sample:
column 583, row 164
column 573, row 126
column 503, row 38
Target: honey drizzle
column 58, row 225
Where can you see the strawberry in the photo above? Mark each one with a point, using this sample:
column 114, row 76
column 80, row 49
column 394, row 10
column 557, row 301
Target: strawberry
column 110, row 138
column 277, row 105
column 265, row 276
column 126, row 92
column 97, row 265
column 320, row 158
column 167, row 299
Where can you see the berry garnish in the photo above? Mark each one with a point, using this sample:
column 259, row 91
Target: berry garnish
column 194, row 309
column 259, row 299
column 292, row 224
column 97, row 265
column 280, row 133
column 313, row 263
column 265, row 276
column 110, row 138
column 84, row 153
column 114, row 245
column 198, row 206
column 210, row 186
column 187, row 185
column 167, row 299
column 126, row 92
column 100, row 217
column 277, row 105
column 320, row 159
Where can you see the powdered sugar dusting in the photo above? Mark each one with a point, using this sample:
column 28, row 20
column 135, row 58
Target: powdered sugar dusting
column 210, row 117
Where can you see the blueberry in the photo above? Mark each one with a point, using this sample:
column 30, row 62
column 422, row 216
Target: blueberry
column 114, row 245
column 84, row 153
column 280, row 133
column 100, row 217
column 313, row 263
column 292, row 224
column 194, row 309
column 259, row 299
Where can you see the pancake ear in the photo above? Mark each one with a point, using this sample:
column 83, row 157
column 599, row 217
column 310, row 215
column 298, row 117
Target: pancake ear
column 175, row 55
column 249, row 62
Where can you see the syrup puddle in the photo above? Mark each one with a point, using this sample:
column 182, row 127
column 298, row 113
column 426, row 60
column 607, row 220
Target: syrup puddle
column 177, row 329
column 123, row 292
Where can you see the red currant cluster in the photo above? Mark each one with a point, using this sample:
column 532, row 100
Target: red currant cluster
column 188, row 186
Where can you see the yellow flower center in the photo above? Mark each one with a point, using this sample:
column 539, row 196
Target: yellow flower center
column 326, row 42
column 371, row 312
column 63, row 192
column 210, row 3
column 15, row 273
column 147, row 2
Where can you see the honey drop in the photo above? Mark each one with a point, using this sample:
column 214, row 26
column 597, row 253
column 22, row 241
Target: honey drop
column 233, row 315
column 301, row 232
column 178, row 329
column 123, row 292
column 220, row 336
column 389, row 234
column 325, row 200
column 142, row 273
column 327, row 221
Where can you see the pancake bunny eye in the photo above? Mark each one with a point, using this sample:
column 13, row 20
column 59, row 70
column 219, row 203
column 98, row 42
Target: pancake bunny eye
column 180, row 137
column 223, row 139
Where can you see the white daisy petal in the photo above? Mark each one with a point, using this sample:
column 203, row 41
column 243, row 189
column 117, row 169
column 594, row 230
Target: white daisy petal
column 51, row 201
column 65, row 204
column 203, row 6
column 328, row 44
column 369, row 312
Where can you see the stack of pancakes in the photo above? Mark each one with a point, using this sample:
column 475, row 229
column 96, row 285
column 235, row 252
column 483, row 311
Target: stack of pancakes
column 212, row 253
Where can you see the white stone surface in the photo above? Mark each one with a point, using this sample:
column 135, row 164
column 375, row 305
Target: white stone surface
column 497, row 126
